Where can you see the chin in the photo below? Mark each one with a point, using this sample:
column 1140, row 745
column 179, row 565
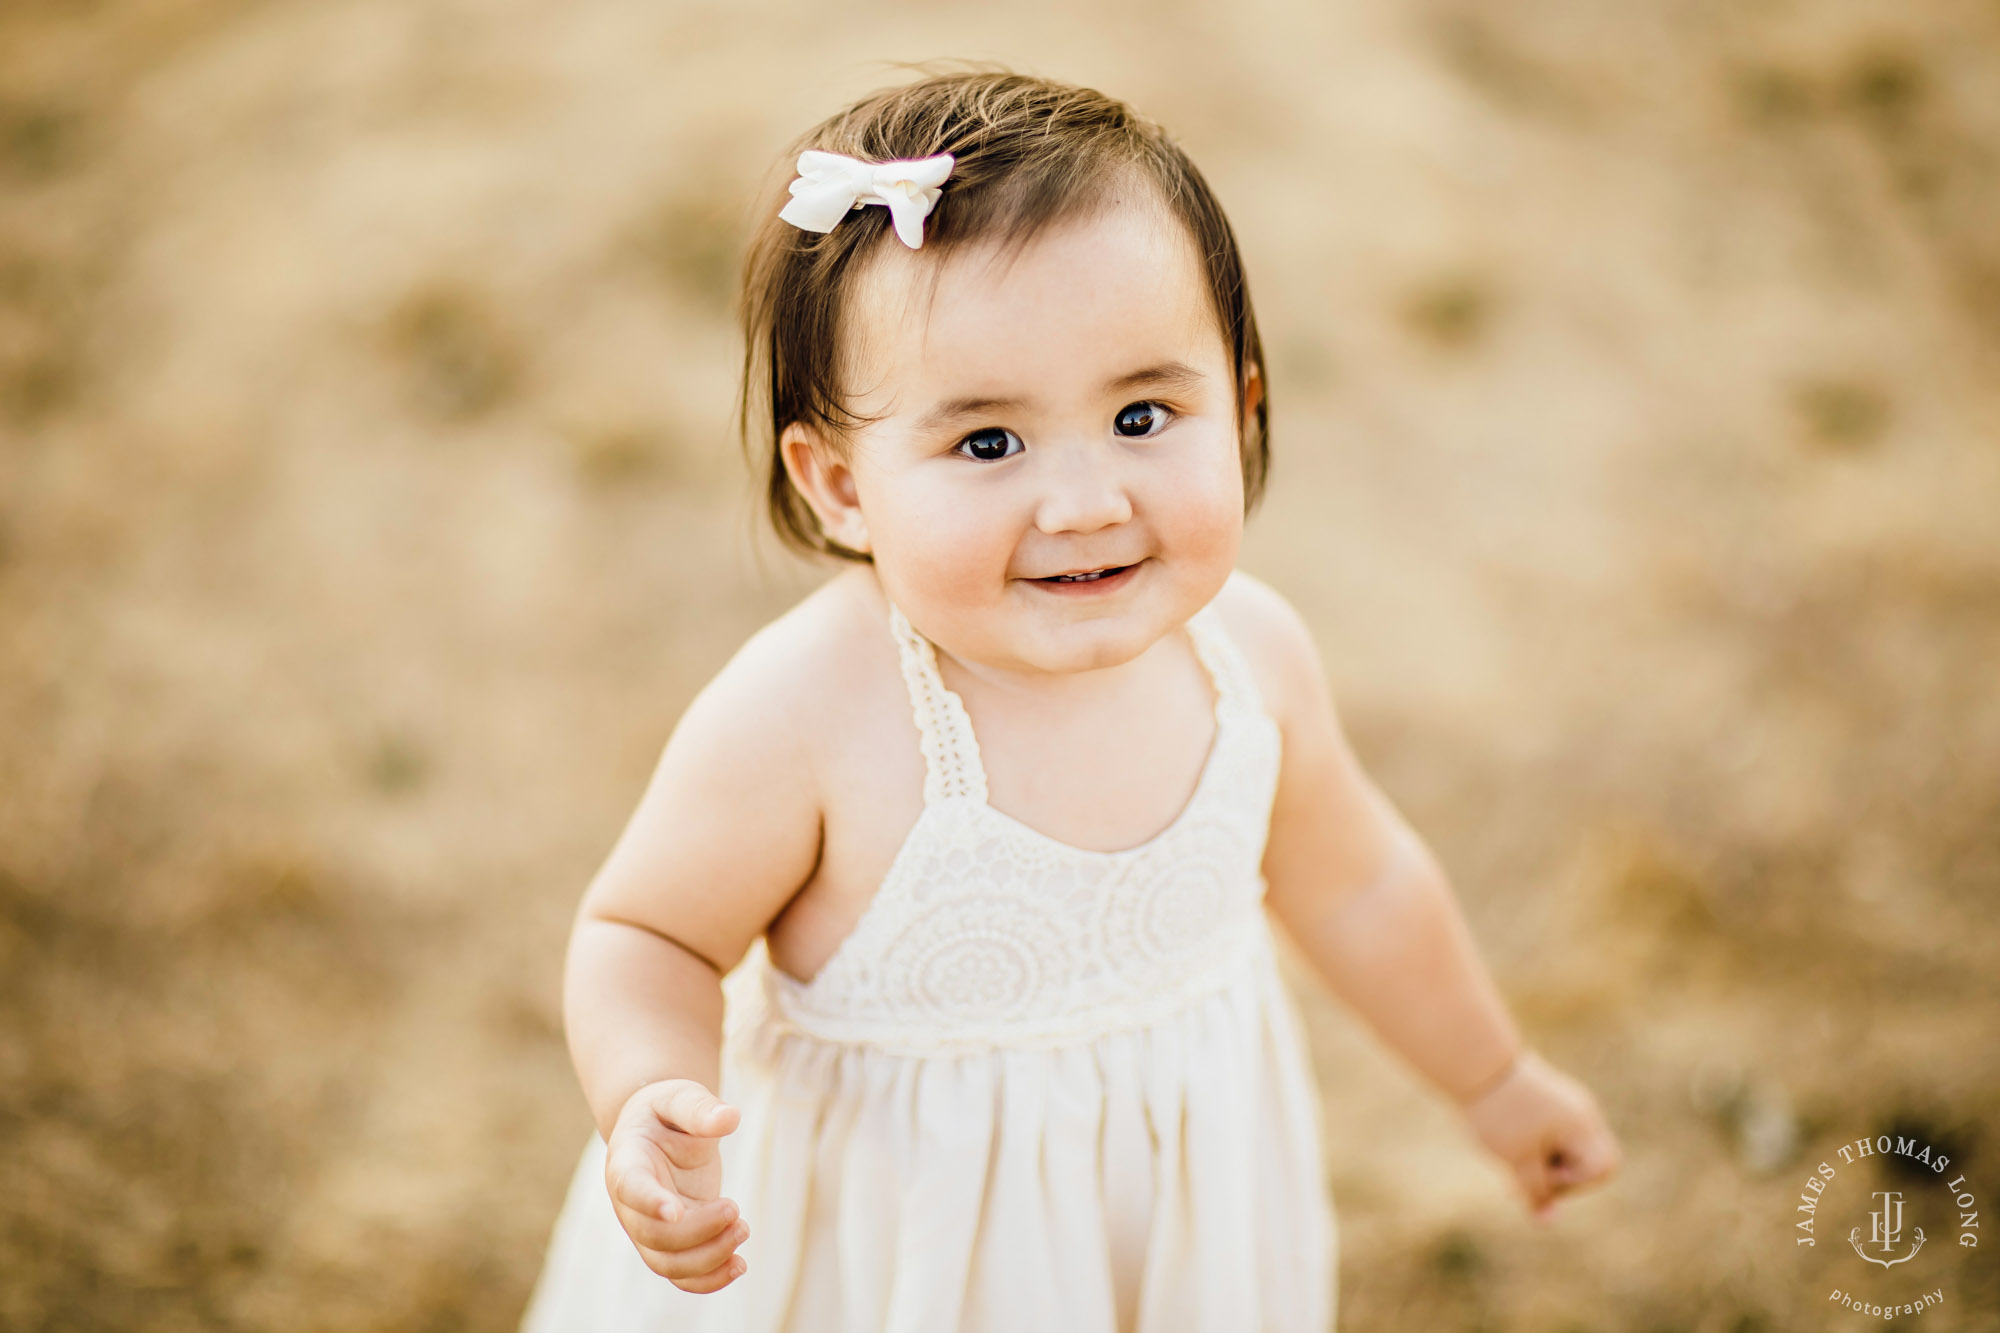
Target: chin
column 1113, row 640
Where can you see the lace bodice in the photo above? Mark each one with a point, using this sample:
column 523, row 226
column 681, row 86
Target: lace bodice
column 986, row 932
column 1036, row 1087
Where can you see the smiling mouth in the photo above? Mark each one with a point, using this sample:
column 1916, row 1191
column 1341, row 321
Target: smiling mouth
column 1090, row 576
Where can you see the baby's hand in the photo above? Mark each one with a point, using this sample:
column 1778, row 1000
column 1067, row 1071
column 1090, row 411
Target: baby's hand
column 1547, row 1127
column 663, row 1167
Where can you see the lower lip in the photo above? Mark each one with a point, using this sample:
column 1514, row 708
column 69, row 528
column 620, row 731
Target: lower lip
column 1110, row 583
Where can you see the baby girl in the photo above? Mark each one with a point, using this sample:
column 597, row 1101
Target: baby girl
column 931, row 986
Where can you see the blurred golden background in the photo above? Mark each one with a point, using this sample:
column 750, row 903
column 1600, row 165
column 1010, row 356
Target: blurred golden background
column 369, row 509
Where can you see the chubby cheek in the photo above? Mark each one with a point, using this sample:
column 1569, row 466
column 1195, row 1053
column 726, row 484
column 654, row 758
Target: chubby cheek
column 939, row 548
column 1197, row 509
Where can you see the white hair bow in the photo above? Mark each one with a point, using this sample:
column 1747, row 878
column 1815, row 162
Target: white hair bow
column 830, row 184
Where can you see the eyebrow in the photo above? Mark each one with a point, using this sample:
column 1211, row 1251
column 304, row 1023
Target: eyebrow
column 1164, row 374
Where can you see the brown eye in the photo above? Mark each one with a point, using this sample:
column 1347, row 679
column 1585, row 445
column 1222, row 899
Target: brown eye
column 1141, row 419
column 991, row 445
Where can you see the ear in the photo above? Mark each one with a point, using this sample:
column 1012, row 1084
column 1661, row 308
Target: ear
column 1253, row 393
column 823, row 477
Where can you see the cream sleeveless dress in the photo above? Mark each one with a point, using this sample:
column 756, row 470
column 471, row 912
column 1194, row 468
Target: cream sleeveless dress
column 1036, row 1088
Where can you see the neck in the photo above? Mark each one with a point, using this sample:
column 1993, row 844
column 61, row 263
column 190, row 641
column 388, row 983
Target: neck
column 1064, row 689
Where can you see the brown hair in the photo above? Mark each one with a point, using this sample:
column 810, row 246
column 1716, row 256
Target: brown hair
column 1027, row 152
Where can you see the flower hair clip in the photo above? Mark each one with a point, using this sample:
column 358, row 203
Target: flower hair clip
column 830, row 185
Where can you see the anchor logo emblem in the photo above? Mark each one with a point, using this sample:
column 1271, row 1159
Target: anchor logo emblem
column 1886, row 1231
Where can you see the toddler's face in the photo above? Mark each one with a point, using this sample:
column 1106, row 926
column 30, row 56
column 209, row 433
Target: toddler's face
column 1070, row 413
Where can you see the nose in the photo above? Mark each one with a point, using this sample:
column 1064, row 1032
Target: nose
column 1081, row 492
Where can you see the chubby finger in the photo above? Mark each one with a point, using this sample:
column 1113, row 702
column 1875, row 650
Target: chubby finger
column 685, row 1105
column 697, row 1224
column 1589, row 1159
column 697, row 1260
column 721, row 1276
column 1532, row 1174
column 1600, row 1158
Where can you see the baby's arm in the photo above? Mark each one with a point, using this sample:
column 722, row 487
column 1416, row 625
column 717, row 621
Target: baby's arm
column 727, row 830
column 1369, row 906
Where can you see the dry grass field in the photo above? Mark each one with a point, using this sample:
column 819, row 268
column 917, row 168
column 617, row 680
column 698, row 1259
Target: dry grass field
column 369, row 509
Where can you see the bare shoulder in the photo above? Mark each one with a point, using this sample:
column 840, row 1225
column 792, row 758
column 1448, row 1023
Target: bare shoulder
column 1277, row 644
column 783, row 689
column 730, row 824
